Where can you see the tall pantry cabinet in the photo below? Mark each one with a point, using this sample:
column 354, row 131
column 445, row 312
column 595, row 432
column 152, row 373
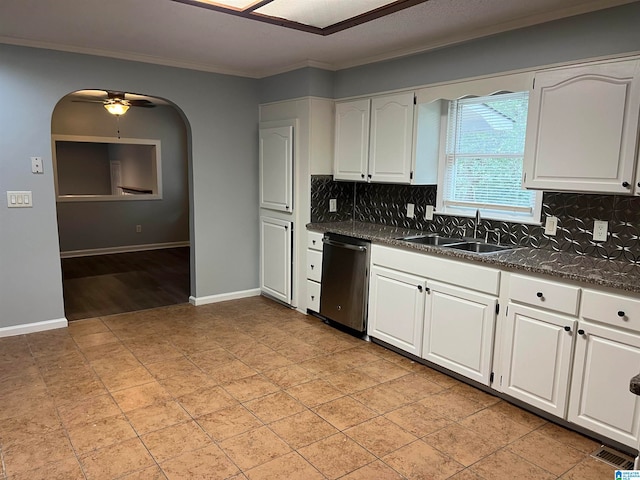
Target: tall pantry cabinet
column 310, row 120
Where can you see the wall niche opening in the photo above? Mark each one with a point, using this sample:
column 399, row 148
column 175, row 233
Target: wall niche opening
column 106, row 169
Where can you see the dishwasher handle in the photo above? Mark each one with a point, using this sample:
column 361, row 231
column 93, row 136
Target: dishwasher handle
column 333, row 243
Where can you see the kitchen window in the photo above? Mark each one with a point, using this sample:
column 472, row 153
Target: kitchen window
column 481, row 166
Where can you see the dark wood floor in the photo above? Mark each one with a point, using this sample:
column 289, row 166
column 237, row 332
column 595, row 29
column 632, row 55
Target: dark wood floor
column 125, row 282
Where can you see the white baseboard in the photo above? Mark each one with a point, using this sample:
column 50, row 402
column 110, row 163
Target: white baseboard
column 33, row 327
column 124, row 249
column 223, row 297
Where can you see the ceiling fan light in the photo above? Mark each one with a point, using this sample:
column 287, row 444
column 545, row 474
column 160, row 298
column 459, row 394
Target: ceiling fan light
column 116, row 107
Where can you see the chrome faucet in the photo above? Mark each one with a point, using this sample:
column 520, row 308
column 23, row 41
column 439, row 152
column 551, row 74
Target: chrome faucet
column 475, row 224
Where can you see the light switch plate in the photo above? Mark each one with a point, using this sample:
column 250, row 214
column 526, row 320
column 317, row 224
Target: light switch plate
column 410, row 210
column 19, row 199
column 551, row 226
column 428, row 214
column 600, row 230
column 333, row 205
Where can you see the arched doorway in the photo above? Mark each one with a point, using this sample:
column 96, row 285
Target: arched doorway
column 122, row 202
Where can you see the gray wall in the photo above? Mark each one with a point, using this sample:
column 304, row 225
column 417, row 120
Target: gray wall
column 87, row 225
column 605, row 32
column 222, row 114
column 611, row 31
column 83, row 168
column 303, row 82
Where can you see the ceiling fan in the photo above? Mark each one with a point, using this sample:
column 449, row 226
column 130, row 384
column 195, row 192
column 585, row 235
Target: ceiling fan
column 116, row 103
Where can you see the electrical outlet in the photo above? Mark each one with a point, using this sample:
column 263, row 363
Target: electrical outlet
column 410, row 210
column 551, row 226
column 600, row 230
column 333, row 205
column 428, row 214
column 138, row 228
column 36, row 165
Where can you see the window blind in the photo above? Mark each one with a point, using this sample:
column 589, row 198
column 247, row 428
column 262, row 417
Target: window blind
column 484, row 154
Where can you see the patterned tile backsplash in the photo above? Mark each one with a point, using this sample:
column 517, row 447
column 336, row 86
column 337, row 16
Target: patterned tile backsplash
column 386, row 204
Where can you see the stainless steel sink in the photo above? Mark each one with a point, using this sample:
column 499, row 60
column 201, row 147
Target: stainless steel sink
column 480, row 247
column 431, row 239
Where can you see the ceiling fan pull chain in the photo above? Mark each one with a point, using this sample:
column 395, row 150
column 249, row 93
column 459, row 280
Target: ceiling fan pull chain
column 118, row 125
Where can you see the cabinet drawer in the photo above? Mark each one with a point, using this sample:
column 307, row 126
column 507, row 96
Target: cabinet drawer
column 314, row 265
column 314, row 240
column 313, row 295
column 615, row 310
column 544, row 294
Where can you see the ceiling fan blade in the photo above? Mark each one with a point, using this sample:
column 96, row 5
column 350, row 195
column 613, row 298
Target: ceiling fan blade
column 141, row 103
column 87, row 101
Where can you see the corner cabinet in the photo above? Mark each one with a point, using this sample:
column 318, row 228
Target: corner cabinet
column 607, row 356
column 276, row 168
column 582, row 129
column 374, row 139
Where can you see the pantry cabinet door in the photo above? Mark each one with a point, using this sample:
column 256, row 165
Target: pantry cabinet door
column 276, row 168
column 276, row 240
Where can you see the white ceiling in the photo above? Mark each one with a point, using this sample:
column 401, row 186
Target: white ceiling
column 172, row 33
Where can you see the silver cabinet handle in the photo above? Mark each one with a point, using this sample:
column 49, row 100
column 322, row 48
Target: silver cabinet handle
column 359, row 248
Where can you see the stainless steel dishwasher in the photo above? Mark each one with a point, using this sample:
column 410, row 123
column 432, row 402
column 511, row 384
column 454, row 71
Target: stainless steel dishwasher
column 345, row 280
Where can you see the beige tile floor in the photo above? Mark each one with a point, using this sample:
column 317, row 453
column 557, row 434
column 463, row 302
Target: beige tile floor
column 248, row 389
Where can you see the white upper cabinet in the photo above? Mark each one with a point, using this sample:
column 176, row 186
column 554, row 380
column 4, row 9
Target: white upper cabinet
column 276, row 168
column 582, row 129
column 352, row 140
column 374, row 139
column 391, row 138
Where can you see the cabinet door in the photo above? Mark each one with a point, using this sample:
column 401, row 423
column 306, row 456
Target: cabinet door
column 537, row 359
column 276, row 241
column 458, row 330
column 396, row 308
column 582, row 128
column 352, row 140
column 391, row 137
column 600, row 400
column 276, row 168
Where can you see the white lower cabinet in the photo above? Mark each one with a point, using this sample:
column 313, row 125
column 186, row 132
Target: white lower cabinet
column 396, row 308
column 458, row 330
column 574, row 367
column 605, row 361
column 314, row 270
column 313, row 295
column 411, row 308
column 537, row 357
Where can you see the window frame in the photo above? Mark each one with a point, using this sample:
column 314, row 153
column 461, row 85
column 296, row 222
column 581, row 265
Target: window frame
column 535, row 218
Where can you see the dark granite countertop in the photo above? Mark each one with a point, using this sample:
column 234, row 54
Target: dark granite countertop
column 580, row 268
